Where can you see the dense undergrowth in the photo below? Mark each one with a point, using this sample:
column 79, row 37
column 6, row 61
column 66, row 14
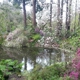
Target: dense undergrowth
column 8, row 67
column 73, row 42
column 58, row 71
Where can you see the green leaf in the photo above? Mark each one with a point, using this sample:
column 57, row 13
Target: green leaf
column 2, row 67
column 36, row 36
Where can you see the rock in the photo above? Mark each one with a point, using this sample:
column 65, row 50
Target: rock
column 16, row 38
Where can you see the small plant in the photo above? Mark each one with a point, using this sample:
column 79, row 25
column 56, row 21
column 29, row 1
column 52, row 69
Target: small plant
column 7, row 67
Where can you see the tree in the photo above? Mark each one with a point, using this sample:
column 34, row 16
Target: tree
column 10, row 18
column 58, row 20
column 24, row 12
column 50, row 13
column 75, row 15
column 61, row 13
column 68, row 17
column 34, row 13
column 17, row 4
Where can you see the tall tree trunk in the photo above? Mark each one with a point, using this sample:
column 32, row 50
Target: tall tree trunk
column 68, row 17
column 70, row 4
column 24, row 12
column 61, row 13
column 58, row 21
column 75, row 16
column 50, row 13
column 34, row 13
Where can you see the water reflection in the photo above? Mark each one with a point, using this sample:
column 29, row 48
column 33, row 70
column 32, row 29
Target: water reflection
column 32, row 56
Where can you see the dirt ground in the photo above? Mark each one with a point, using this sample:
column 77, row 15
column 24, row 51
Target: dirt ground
column 15, row 77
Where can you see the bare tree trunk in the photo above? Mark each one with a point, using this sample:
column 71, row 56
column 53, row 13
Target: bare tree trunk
column 68, row 17
column 58, row 20
column 70, row 13
column 50, row 13
column 61, row 13
column 24, row 11
column 75, row 16
column 34, row 13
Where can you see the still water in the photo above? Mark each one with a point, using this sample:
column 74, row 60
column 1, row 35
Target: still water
column 32, row 56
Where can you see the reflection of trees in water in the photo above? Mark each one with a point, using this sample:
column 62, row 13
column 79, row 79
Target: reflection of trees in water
column 34, row 56
column 30, row 55
column 13, row 53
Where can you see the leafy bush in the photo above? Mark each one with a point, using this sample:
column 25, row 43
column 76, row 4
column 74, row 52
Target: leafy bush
column 1, row 40
column 8, row 67
column 53, row 72
column 74, row 71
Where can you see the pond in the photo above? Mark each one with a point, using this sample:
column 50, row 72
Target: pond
column 32, row 56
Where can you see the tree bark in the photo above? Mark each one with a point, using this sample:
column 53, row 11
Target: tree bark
column 34, row 13
column 75, row 16
column 61, row 13
column 24, row 12
column 68, row 17
column 58, row 21
column 70, row 4
column 50, row 13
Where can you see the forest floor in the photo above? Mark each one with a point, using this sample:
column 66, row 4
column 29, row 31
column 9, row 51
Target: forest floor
column 15, row 77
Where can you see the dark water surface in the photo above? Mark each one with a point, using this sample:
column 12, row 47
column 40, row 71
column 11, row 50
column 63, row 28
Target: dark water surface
column 32, row 56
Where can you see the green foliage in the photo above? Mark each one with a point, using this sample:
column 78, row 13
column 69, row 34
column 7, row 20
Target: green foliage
column 1, row 40
column 8, row 67
column 67, row 78
column 10, row 18
column 36, row 36
column 53, row 72
column 74, row 40
column 32, row 35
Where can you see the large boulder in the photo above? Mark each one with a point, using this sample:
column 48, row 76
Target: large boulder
column 16, row 38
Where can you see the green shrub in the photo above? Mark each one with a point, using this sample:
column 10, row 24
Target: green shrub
column 53, row 72
column 1, row 40
column 8, row 67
